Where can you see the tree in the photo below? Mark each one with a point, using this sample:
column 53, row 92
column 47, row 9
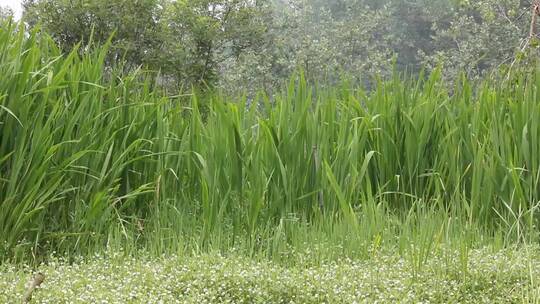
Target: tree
column 325, row 39
column 135, row 24
column 480, row 37
column 212, row 32
column 185, row 40
column 246, row 45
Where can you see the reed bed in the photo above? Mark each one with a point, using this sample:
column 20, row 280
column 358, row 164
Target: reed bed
column 92, row 157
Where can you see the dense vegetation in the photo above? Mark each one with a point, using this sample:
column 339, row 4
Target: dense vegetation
column 94, row 158
column 481, row 276
column 245, row 45
column 241, row 151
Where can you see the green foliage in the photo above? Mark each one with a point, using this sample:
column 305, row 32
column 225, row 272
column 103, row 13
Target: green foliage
column 508, row 276
column 184, row 40
column 135, row 24
column 90, row 158
column 357, row 39
column 318, row 38
column 479, row 37
column 210, row 32
column 243, row 45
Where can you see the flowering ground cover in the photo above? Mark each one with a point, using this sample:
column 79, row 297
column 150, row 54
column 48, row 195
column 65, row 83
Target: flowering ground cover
column 482, row 276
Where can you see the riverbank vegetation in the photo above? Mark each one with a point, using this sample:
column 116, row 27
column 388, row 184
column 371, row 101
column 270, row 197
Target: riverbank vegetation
column 410, row 185
column 93, row 158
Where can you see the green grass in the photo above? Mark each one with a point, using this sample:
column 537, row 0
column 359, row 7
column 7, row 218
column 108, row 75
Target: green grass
column 95, row 159
column 508, row 276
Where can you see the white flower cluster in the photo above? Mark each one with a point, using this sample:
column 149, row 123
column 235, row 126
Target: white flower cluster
column 484, row 276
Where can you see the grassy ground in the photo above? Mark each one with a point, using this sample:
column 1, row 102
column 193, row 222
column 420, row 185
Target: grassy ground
column 481, row 276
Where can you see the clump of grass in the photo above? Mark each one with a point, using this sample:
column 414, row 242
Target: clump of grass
column 92, row 158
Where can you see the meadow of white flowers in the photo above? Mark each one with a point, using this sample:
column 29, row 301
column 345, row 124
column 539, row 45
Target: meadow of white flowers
column 483, row 276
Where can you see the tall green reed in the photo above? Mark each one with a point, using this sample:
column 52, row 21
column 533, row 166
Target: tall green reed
column 89, row 154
